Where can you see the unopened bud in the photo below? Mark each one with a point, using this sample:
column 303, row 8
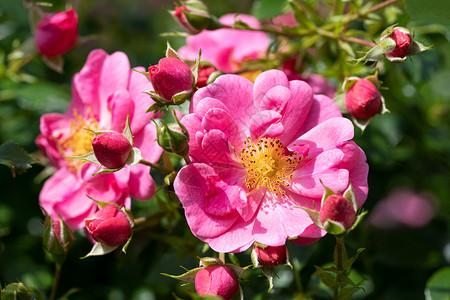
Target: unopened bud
column 111, row 149
column 270, row 256
column 172, row 77
column 193, row 16
column 109, row 226
column 174, row 137
column 396, row 43
column 363, row 100
column 57, row 33
column 338, row 210
column 57, row 239
column 216, row 280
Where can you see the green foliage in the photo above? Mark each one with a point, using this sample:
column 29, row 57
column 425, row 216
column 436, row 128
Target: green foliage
column 14, row 157
column 438, row 286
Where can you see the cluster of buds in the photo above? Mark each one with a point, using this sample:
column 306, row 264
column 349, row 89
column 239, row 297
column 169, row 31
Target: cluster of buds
column 338, row 213
column 193, row 16
column 213, row 278
column 396, row 45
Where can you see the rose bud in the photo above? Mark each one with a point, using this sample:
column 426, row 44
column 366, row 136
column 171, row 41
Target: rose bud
column 396, row 44
column 193, row 16
column 338, row 210
column 57, row 33
column 170, row 77
column 174, row 137
column 111, row 149
column 216, row 280
column 363, row 99
column 57, row 238
column 109, row 226
column 204, row 73
column 270, row 256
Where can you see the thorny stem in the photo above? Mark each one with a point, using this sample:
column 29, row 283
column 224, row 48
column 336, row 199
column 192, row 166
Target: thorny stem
column 155, row 166
column 55, row 281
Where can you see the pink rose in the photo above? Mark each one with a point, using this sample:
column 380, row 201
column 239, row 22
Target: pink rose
column 400, row 44
column 258, row 152
column 109, row 226
column 226, row 49
column 57, row 33
column 363, row 100
column 104, row 92
column 403, row 207
column 216, row 280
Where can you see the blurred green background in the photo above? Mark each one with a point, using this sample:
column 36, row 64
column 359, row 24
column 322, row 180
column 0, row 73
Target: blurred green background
column 410, row 148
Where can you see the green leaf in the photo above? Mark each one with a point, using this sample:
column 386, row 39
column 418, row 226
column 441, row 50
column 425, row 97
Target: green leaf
column 438, row 286
column 349, row 262
column 14, row 157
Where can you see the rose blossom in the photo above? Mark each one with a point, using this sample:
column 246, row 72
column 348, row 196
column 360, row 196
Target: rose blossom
column 57, row 33
column 226, row 49
column 259, row 152
column 104, row 92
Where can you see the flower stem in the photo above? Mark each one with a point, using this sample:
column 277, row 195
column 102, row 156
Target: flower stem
column 155, row 166
column 339, row 257
column 55, row 281
column 222, row 256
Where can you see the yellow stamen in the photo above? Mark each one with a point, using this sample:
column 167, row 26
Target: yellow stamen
column 267, row 164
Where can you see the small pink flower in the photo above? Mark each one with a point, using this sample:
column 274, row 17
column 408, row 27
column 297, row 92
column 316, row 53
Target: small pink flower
column 57, row 33
column 363, row 100
column 109, row 226
column 259, row 152
column 400, row 44
column 338, row 209
column 270, row 256
column 104, row 92
column 226, row 49
column 403, row 207
column 111, row 149
column 216, row 280
column 171, row 76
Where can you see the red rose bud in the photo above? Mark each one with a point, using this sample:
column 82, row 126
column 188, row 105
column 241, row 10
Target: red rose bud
column 171, row 76
column 270, row 256
column 193, row 16
column 57, row 239
column 180, row 17
column 111, row 149
column 109, row 226
column 363, row 99
column 216, row 280
column 204, row 73
column 57, row 33
column 338, row 209
column 397, row 44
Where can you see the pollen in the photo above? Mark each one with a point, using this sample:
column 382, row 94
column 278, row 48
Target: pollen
column 79, row 140
column 269, row 164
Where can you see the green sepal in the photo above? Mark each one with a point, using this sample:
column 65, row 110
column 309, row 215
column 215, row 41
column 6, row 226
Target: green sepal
column 326, row 193
column 101, row 204
column 269, row 273
column 189, row 276
column 170, row 52
column 358, row 218
column 134, row 157
column 181, row 97
column 418, row 48
column 195, row 68
column 349, row 194
column 333, row 227
column 347, row 265
column 100, row 249
column 314, row 215
column 89, row 157
column 373, row 55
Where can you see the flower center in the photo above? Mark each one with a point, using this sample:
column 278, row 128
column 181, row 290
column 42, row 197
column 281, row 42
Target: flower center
column 79, row 141
column 267, row 164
